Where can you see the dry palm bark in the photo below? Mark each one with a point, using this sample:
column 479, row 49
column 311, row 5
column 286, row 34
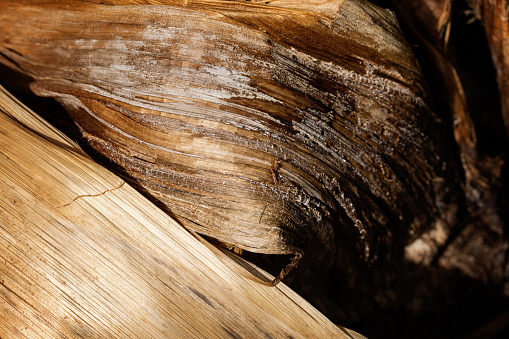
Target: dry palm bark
column 454, row 50
column 430, row 22
column 279, row 127
column 283, row 127
column 82, row 254
column 494, row 16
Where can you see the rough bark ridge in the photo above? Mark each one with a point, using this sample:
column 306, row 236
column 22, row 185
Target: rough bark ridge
column 84, row 255
column 281, row 127
column 269, row 127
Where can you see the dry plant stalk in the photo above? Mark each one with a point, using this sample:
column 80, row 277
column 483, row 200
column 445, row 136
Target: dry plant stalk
column 281, row 127
column 82, row 254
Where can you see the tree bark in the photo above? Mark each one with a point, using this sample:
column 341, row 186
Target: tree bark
column 287, row 128
column 85, row 255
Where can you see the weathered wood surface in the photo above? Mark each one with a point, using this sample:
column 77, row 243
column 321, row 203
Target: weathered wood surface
column 477, row 126
column 280, row 127
column 82, row 254
column 340, row 77
column 494, row 16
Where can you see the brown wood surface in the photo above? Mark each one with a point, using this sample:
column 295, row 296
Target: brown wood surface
column 276, row 127
column 82, row 254
column 301, row 127
column 494, row 16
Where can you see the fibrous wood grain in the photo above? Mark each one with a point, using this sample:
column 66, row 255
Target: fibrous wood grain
column 463, row 90
column 280, row 127
column 82, row 254
column 494, row 16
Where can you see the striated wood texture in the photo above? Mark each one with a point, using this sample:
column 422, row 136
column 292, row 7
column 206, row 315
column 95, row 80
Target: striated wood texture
column 82, row 254
column 302, row 126
column 494, row 16
column 280, row 127
column 465, row 273
column 478, row 121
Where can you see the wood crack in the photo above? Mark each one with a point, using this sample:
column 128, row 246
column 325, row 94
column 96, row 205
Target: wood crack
column 93, row 195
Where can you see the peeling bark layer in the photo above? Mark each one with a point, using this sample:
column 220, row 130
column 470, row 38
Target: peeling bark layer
column 275, row 127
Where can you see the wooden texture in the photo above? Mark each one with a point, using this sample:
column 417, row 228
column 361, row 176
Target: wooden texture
column 495, row 18
column 280, row 127
column 462, row 88
column 464, row 273
column 82, row 254
column 275, row 94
